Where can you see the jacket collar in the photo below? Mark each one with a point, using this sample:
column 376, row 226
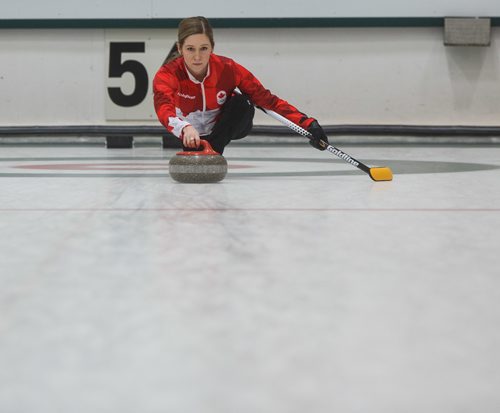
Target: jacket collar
column 193, row 79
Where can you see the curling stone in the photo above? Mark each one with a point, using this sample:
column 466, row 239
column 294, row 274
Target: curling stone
column 198, row 167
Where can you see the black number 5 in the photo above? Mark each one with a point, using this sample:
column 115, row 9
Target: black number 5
column 117, row 68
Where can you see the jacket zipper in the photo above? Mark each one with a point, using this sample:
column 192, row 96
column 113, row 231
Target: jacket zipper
column 202, row 84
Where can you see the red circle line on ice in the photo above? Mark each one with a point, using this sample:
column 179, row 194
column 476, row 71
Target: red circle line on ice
column 110, row 166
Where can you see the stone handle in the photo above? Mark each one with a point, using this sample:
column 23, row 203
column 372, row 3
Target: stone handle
column 206, row 150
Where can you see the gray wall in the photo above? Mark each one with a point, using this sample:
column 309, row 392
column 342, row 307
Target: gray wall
column 95, row 9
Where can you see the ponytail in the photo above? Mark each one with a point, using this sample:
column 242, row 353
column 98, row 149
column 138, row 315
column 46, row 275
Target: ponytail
column 172, row 55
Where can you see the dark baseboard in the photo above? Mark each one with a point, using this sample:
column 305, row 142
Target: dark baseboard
column 112, row 130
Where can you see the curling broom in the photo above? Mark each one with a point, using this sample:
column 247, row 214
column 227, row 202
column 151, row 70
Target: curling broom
column 379, row 173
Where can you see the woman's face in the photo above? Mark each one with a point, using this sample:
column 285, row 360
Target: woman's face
column 196, row 51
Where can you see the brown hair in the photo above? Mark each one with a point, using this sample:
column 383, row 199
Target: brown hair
column 188, row 27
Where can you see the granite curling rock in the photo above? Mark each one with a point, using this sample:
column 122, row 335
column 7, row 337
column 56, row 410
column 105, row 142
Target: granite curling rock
column 198, row 167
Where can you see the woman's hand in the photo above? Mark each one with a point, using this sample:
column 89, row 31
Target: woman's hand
column 319, row 139
column 190, row 137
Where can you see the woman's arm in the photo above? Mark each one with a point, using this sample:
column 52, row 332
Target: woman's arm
column 262, row 97
column 165, row 86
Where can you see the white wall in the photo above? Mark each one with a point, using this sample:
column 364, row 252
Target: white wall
column 50, row 77
column 340, row 76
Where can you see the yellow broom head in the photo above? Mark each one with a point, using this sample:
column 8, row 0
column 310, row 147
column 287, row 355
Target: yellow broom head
column 381, row 174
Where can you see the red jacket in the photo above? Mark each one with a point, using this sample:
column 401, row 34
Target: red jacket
column 182, row 100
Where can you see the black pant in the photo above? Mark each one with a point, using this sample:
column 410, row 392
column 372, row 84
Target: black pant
column 235, row 122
